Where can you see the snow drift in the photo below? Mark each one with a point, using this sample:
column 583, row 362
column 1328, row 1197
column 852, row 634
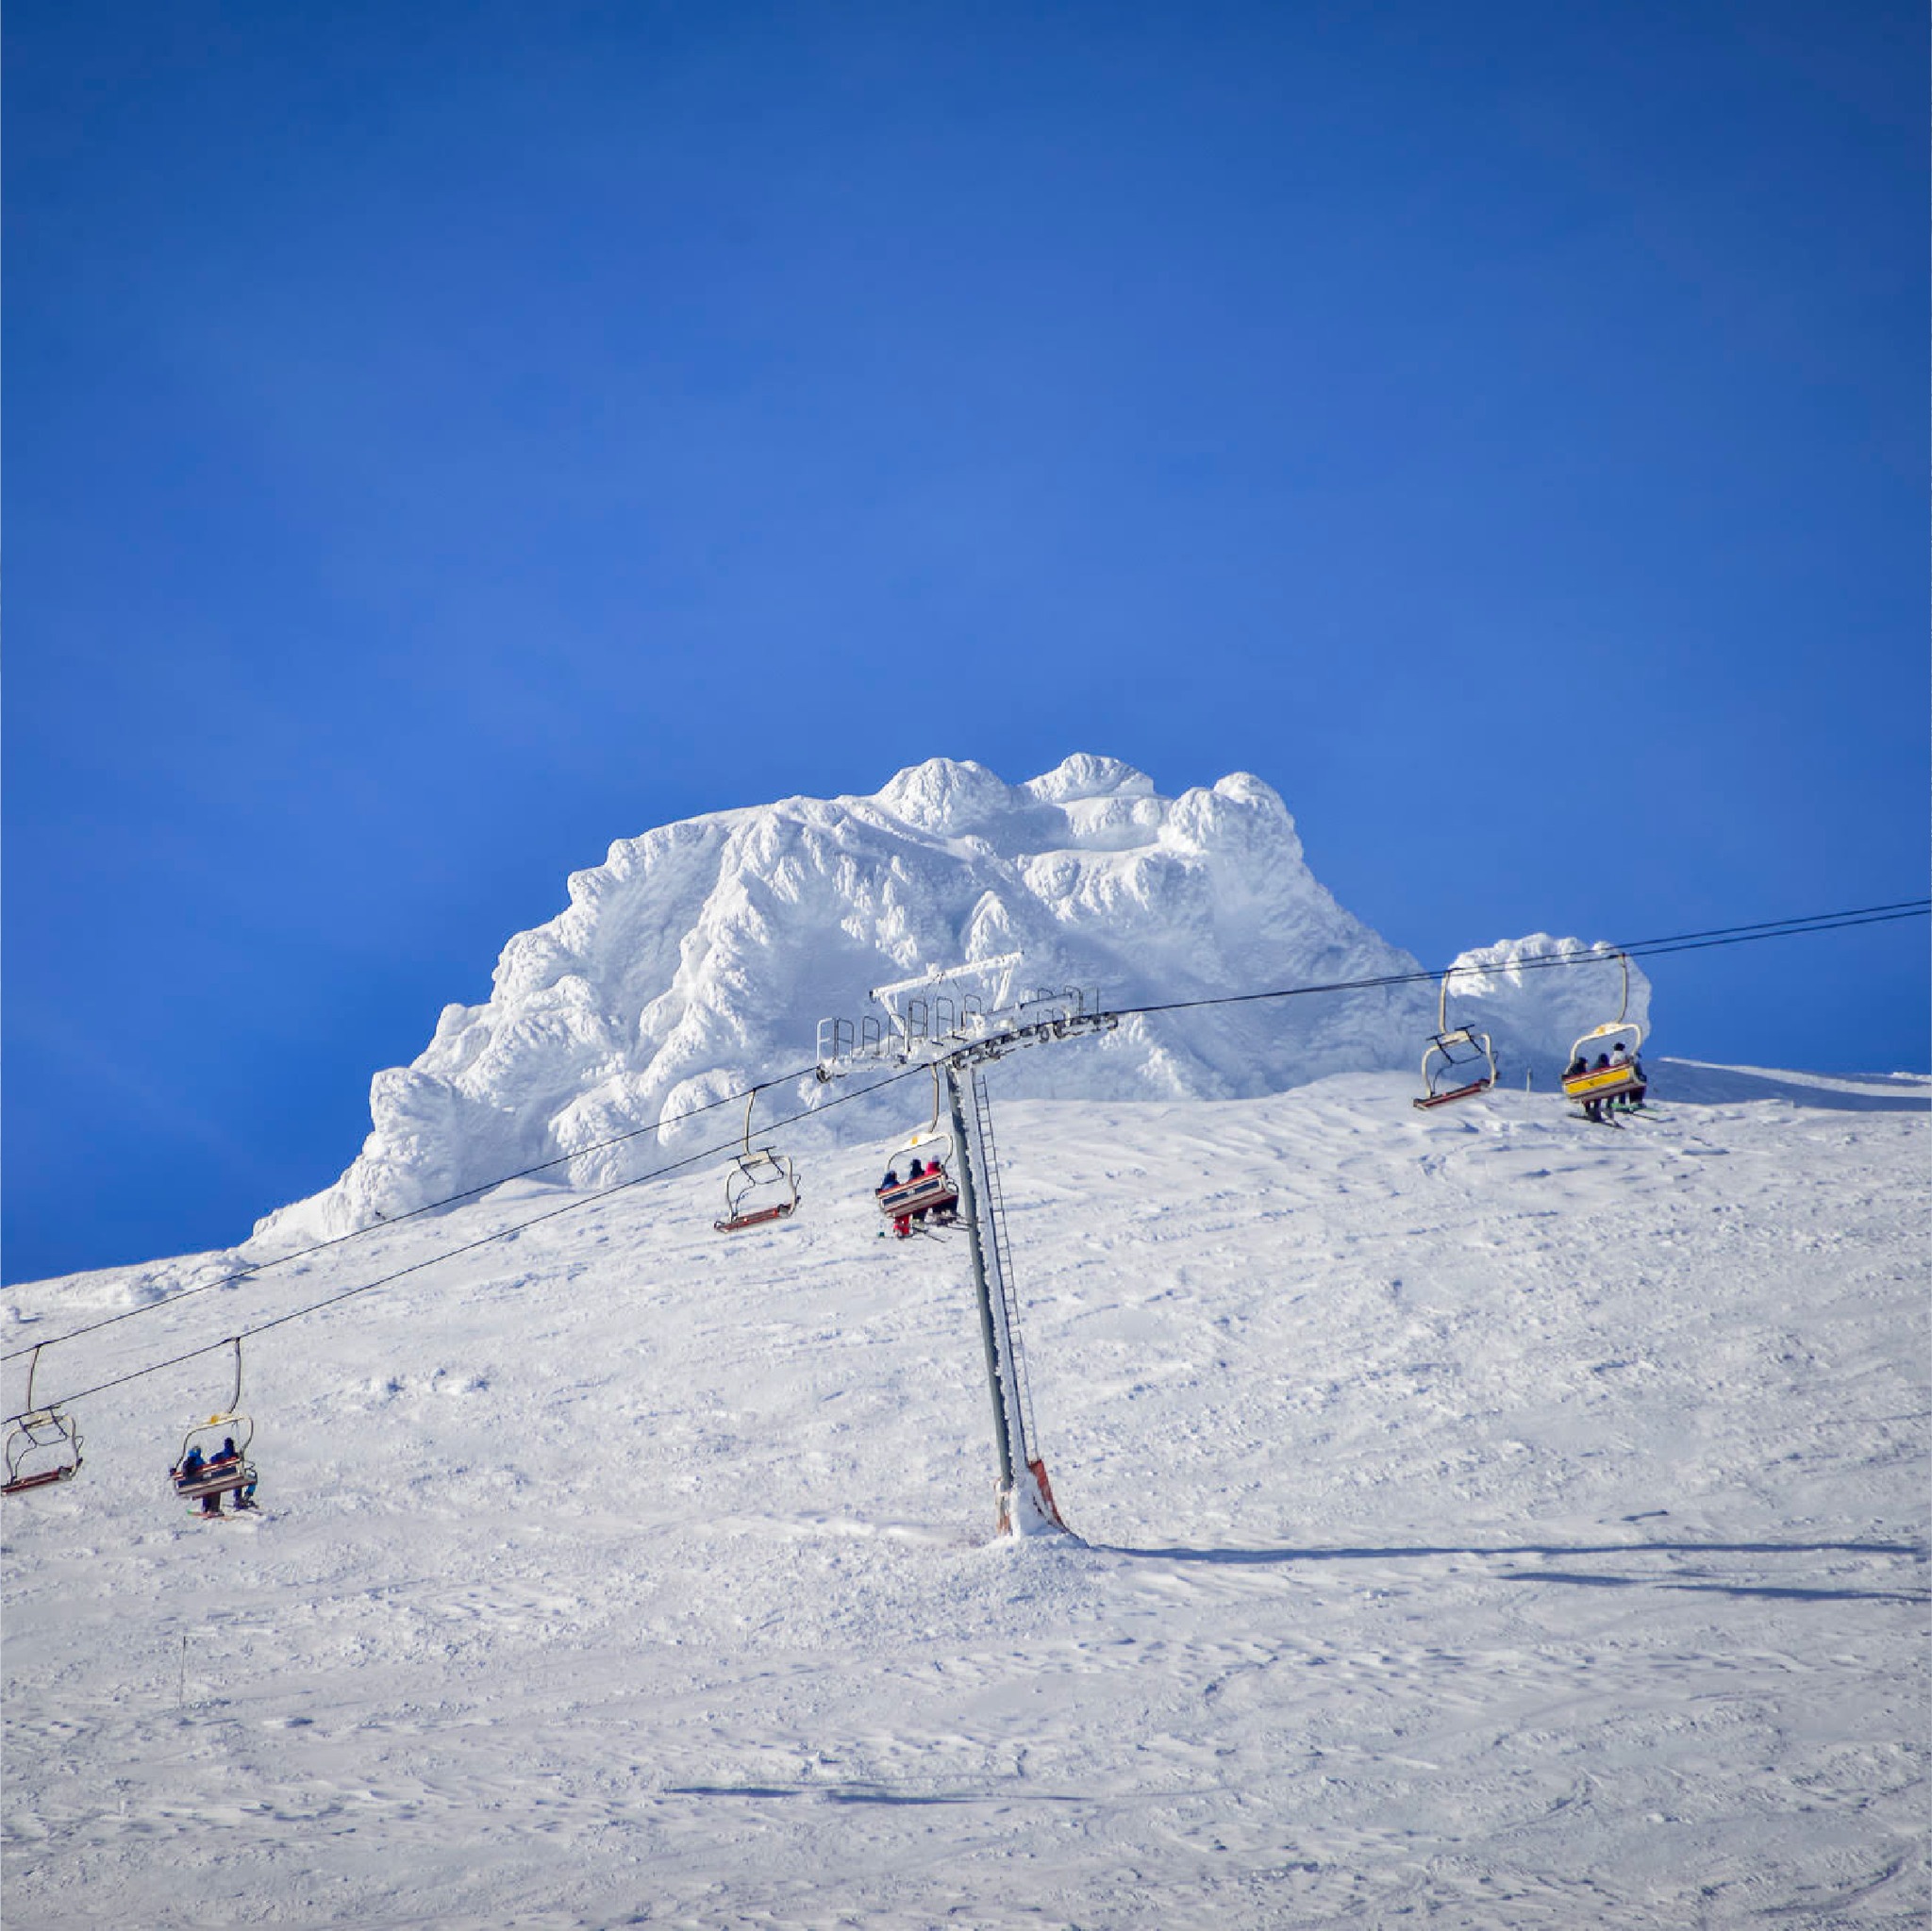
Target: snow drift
column 698, row 959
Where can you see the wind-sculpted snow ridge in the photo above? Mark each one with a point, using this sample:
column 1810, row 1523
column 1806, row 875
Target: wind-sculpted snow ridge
column 698, row 958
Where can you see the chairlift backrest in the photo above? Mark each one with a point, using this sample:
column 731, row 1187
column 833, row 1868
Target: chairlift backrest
column 1625, row 1033
column 238, row 1425
column 767, row 1167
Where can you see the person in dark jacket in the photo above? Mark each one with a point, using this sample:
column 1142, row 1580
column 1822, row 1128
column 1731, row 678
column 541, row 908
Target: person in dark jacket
column 194, row 1465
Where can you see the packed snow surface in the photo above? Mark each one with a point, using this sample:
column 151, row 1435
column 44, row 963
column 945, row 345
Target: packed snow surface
column 699, row 959
column 1484, row 1518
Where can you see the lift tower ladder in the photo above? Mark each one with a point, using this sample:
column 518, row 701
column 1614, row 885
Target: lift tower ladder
column 999, row 1255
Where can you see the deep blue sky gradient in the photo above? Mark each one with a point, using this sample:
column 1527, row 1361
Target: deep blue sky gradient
column 441, row 440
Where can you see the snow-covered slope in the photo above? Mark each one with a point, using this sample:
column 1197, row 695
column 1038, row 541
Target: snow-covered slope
column 1490, row 1520
column 699, row 959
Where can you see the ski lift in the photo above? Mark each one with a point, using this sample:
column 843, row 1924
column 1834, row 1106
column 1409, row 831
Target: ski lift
column 1458, row 1065
column 204, row 1477
column 1604, row 1066
column 762, row 1185
column 931, row 1193
column 42, row 1445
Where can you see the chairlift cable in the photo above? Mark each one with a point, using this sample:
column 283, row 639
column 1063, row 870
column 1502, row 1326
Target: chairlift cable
column 469, row 1247
column 246, row 1274
column 1684, row 942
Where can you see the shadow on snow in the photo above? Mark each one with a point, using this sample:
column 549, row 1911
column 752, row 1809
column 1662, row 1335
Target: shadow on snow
column 1548, row 1551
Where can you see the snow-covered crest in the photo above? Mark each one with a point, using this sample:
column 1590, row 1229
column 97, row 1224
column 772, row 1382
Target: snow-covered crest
column 698, row 958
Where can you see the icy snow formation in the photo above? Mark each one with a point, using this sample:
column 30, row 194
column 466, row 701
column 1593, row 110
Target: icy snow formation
column 698, row 959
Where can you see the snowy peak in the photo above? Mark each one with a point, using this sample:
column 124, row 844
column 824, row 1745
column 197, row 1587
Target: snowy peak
column 1083, row 776
column 698, row 958
column 947, row 799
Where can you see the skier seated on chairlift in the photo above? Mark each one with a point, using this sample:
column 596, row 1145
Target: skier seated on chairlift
column 1634, row 1067
column 1576, row 1070
column 945, row 1211
column 1593, row 1104
column 227, row 1457
column 219, row 1462
column 901, row 1223
column 194, row 1465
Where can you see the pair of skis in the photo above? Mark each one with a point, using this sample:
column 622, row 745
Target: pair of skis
column 240, row 1508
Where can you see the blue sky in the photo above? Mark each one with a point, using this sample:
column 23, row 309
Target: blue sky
column 443, row 438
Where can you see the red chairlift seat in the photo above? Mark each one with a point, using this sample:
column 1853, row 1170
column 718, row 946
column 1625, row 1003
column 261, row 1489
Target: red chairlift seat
column 42, row 1445
column 761, row 1186
column 221, row 1473
column 738, row 1223
column 1458, row 1092
column 931, row 1192
column 214, row 1478
column 1453, row 1055
column 1444, row 1061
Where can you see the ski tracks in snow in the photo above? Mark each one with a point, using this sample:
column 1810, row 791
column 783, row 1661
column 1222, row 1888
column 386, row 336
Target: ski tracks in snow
column 1489, row 1518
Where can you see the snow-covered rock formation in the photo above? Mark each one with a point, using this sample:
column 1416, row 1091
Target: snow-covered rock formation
column 698, row 958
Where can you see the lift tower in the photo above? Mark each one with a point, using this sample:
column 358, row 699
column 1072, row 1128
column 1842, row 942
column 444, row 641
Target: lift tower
column 930, row 1023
